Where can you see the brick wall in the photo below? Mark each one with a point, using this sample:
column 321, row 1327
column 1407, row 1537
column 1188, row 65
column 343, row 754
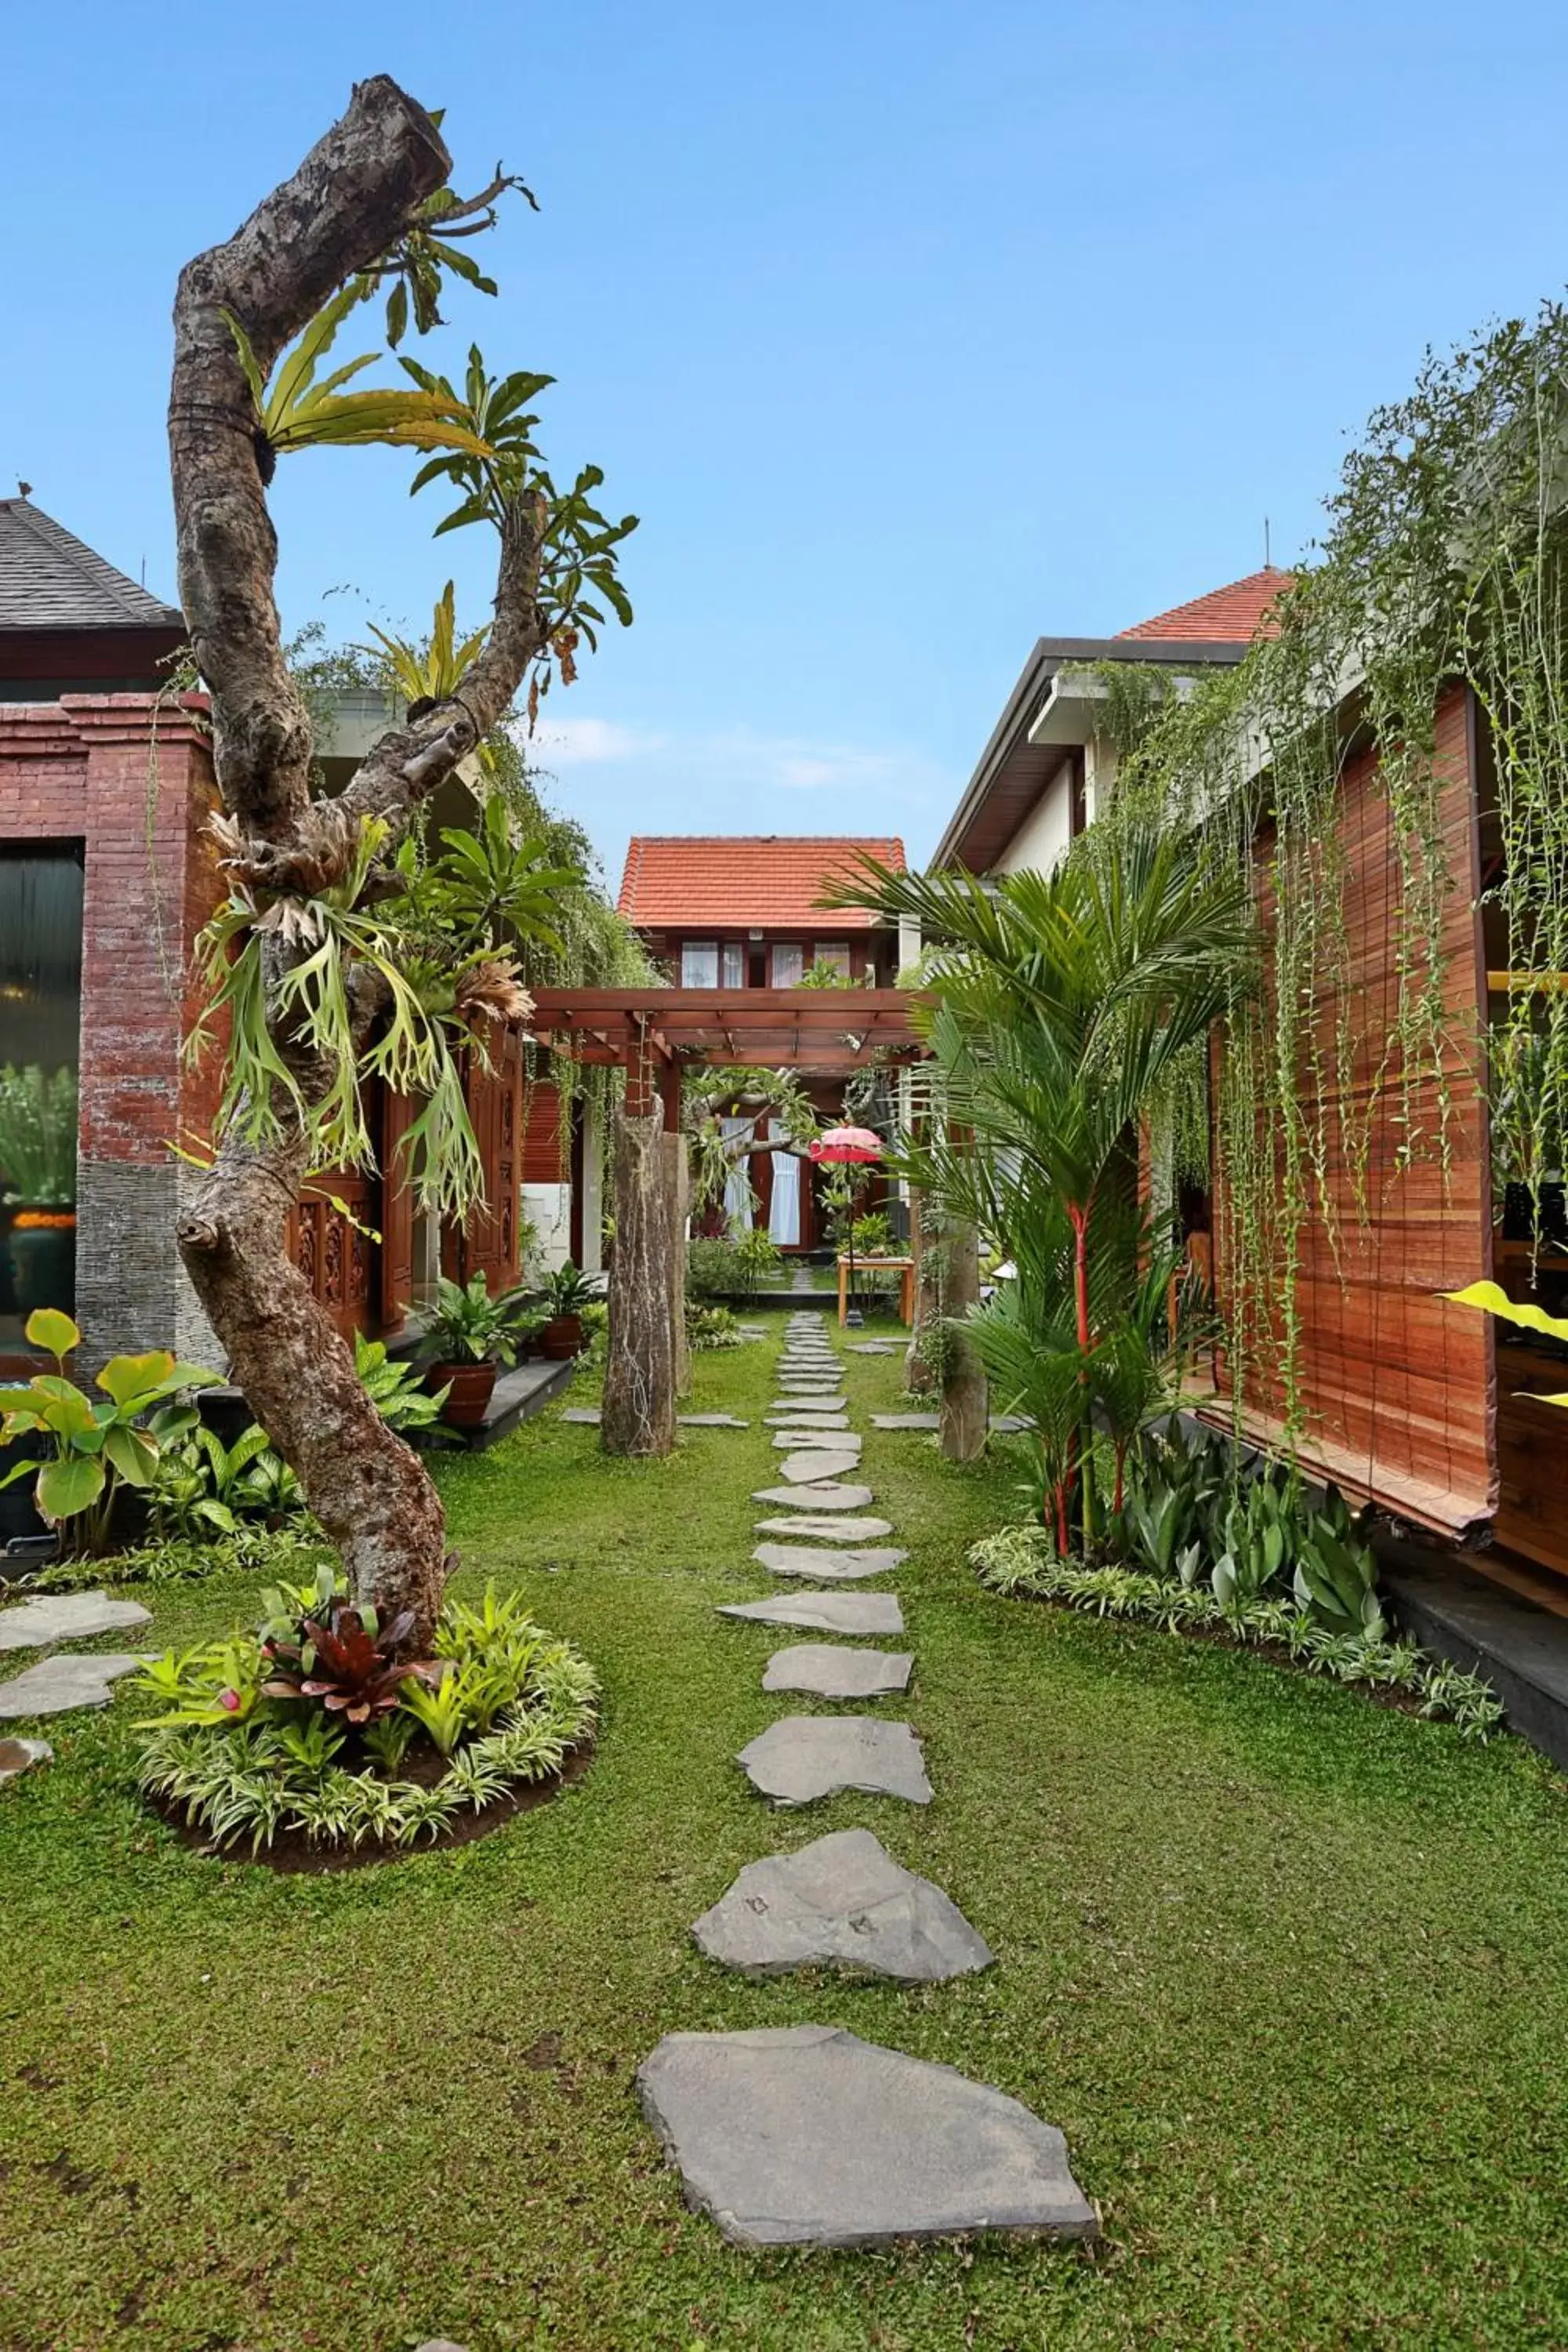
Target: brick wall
column 85, row 768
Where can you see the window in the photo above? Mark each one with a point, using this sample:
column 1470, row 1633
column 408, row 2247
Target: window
column 834, row 952
column 699, row 963
column 789, row 961
column 733, row 965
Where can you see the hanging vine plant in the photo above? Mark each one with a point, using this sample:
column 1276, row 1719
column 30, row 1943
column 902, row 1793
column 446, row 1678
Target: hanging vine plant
column 1442, row 566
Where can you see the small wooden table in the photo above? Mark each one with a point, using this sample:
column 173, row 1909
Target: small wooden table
column 905, row 1267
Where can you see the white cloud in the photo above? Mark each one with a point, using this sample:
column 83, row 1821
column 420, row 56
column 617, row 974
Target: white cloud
column 574, row 742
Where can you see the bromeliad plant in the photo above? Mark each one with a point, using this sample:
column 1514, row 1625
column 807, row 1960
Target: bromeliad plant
column 322, row 1723
column 98, row 1443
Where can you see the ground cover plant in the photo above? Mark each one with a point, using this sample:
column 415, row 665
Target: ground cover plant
column 1288, row 1969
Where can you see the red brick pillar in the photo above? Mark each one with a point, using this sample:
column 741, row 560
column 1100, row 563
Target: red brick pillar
column 150, row 881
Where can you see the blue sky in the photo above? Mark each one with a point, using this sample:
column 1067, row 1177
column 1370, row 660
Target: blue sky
column 913, row 329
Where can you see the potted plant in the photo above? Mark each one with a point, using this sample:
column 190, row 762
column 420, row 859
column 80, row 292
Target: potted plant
column 469, row 1335
column 38, row 1182
column 566, row 1293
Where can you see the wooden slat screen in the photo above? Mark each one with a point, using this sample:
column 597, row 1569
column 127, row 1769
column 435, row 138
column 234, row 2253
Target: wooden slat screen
column 1398, row 1385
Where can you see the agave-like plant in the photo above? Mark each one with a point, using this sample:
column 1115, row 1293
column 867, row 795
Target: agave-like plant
column 294, row 412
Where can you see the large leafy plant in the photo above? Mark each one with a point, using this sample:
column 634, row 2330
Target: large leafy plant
column 98, row 1443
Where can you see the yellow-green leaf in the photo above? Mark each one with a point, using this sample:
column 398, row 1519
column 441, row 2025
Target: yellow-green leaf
column 71, row 1485
column 126, row 1378
column 47, row 1327
column 135, row 1456
column 1492, row 1299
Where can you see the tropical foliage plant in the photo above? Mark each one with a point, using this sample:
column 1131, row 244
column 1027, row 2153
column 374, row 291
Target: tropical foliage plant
column 315, row 1724
column 96, row 1445
column 1054, row 1006
column 1023, row 1563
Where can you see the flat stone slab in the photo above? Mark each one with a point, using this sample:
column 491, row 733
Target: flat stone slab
column 586, row 1414
column 804, row 1756
column 824, row 1495
column 711, row 1420
column 906, row 1421
column 809, row 1416
column 53, row 1617
column 835, row 1567
column 876, row 1347
column 823, row 1613
column 840, row 1902
column 826, row 1529
column 815, row 1466
column 831, row 1440
column 57, row 1684
column 19, row 1755
column 806, row 2135
column 824, row 1671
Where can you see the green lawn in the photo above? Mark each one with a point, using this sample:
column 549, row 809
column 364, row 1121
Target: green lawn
column 1290, row 1972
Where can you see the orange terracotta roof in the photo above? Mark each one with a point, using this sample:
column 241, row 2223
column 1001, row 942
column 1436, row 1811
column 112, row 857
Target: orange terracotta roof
column 1232, row 615
column 733, row 881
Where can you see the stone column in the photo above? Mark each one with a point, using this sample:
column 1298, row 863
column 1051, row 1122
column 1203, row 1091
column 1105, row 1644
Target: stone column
column 638, row 1416
column 963, row 1391
column 678, row 1179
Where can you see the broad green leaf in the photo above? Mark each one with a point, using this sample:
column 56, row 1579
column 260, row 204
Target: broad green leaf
column 126, row 1378
column 61, row 1406
column 47, row 1327
column 134, row 1456
column 71, row 1485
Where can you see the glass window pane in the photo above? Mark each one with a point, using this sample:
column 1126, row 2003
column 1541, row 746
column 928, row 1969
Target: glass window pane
column 788, row 964
column 834, row 952
column 40, row 1012
column 699, row 963
column 734, row 965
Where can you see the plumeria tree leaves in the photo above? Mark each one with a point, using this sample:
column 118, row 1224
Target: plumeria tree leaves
column 1492, row 1299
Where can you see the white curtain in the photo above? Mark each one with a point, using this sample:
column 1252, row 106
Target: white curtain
column 738, row 1183
column 783, row 1218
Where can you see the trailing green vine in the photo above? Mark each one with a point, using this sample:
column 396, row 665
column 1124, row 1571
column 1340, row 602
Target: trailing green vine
column 1442, row 567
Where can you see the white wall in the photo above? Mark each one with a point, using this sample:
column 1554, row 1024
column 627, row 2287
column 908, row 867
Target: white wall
column 548, row 1209
column 1045, row 832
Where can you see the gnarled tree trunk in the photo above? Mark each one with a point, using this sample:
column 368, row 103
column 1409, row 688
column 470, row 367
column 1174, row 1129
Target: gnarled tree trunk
column 352, row 199
column 638, row 1416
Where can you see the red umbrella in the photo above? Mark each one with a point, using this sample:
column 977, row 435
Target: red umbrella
column 844, row 1146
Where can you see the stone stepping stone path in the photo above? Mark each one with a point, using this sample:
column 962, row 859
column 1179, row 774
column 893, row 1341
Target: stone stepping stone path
column 803, row 1757
column 815, row 1466
column 1003, row 1423
column 828, row 1530
column 822, row 1495
column 19, row 1755
column 806, row 2135
column 823, row 1613
column 836, row 1567
column 51, row 1617
column 824, row 1671
column 840, row 1902
column 56, row 1685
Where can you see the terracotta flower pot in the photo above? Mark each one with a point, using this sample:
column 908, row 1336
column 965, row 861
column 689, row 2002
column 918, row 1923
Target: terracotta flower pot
column 472, row 1388
column 561, row 1337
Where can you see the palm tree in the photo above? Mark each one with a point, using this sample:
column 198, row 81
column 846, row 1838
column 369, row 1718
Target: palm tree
column 1057, row 1006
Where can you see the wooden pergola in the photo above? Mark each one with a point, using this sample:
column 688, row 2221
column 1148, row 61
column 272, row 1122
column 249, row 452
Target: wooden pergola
column 656, row 1035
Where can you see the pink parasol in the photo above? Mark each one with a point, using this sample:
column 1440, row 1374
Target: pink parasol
column 845, row 1146
column 846, row 1143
